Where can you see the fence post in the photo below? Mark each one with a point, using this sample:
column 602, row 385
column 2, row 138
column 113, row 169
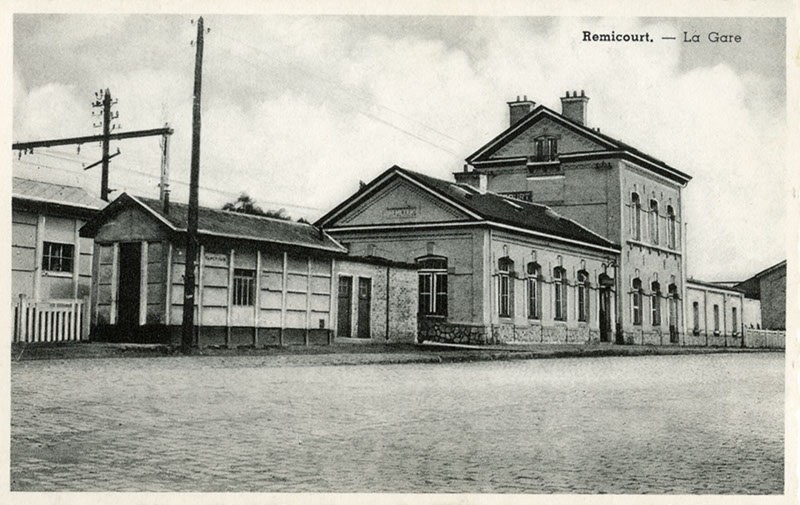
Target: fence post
column 22, row 318
column 85, row 319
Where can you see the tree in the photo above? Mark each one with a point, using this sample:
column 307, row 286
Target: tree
column 246, row 205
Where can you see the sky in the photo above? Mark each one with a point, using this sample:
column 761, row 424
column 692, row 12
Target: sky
column 296, row 110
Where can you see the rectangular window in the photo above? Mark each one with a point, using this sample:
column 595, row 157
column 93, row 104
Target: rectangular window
column 656, row 309
column 636, row 217
column 505, row 295
column 552, row 148
column 716, row 318
column 583, row 298
column 696, row 315
column 425, row 293
column 440, row 289
column 637, row 307
column 244, row 282
column 672, row 232
column 533, row 298
column 560, row 292
column 57, row 257
column 433, row 293
column 653, row 221
column 734, row 321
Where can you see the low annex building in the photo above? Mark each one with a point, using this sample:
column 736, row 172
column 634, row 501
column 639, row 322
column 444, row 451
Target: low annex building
column 261, row 281
column 50, row 262
column 491, row 268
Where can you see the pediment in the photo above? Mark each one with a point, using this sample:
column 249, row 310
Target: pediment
column 399, row 201
column 519, row 140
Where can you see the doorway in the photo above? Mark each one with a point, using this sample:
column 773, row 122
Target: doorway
column 345, row 304
column 673, row 313
column 364, row 306
column 606, row 283
column 130, row 275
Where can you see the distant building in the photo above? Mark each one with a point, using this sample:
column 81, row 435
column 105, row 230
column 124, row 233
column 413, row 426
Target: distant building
column 717, row 315
column 260, row 281
column 769, row 286
column 49, row 259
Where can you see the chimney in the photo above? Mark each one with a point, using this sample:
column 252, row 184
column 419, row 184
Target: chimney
column 519, row 109
column 483, row 183
column 574, row 107
column 166, row 202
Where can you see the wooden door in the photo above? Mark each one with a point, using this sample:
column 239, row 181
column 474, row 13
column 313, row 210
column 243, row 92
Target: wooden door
column 345, row 304
column 130, row 274
column 605, row 312
column 364, row 304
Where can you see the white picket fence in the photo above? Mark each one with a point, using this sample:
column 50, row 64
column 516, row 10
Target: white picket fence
column 50, row 320
column 773, row 339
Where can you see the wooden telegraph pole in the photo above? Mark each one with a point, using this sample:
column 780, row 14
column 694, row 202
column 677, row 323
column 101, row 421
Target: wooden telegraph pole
column 106, row 142
column 187, row 330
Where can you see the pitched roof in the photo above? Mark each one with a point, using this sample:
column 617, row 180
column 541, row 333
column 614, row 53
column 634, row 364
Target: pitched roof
column 492, row 207
column 58, row 194
column 610, row 142
column 226, row 224
column 713, row 285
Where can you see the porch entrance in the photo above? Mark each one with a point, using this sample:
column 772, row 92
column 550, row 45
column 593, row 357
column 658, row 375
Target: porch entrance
column 345, row 304
column 606, row 283
column 130, row 274
column 364, row 304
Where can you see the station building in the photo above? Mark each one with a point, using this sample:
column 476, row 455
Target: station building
column 260, row 281
column 553, row 232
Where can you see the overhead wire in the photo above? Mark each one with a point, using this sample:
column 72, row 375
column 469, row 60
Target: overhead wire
column 359, row 96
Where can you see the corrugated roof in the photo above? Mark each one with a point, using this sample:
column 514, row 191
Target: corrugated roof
column 502, row 209
column 60, row 194
column 244, row 226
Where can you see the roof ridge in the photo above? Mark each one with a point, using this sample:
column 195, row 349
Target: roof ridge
column 50, row 183
column 501, row 196
column 233, row 212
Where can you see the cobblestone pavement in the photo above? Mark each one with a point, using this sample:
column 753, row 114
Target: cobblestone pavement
column 661, row 424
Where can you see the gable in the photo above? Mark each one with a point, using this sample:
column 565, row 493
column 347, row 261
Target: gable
column 131, row 223
column 400, row 202
column 522, row 143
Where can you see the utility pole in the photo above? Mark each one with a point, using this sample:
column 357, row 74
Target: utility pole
column 164, row 133
column 107, row 117
column 187, row 330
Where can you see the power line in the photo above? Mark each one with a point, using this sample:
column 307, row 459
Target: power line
column 359, row 96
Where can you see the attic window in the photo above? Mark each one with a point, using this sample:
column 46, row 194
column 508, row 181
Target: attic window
column 545, row 148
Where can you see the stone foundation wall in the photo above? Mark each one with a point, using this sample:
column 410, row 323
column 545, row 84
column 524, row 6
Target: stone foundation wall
column 436, row 330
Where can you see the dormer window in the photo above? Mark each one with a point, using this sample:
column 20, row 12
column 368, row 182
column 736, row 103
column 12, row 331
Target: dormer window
column 546, row 148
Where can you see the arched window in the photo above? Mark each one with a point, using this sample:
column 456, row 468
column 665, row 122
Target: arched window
column 653, row 218
column 534, row 291
column 636, row 216
column 672, row 228
column 560, row 292
column 636, row 301
column 673, row 305
column 505, row 304
column 432, row 271
column 583, row 295
column 655, row 303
